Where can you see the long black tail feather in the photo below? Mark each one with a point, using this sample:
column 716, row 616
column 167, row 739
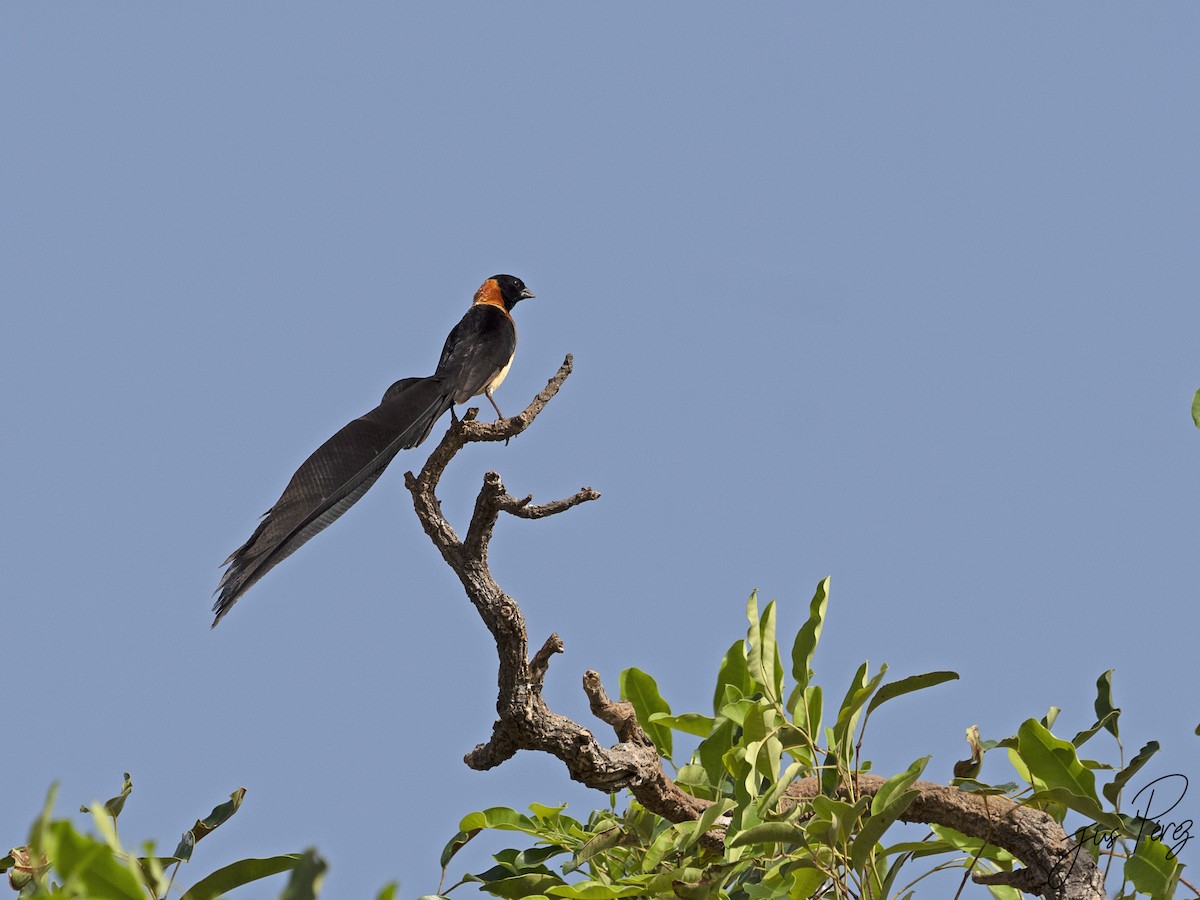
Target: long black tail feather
column 332, row 480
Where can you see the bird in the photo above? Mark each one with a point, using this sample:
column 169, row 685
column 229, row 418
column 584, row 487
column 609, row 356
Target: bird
column 475, row 360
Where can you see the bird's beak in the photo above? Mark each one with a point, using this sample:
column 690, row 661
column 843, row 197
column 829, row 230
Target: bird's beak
column 527, row 293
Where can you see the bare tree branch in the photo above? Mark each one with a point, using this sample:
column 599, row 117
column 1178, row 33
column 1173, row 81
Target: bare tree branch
column 525, row 721
column 1055, row 867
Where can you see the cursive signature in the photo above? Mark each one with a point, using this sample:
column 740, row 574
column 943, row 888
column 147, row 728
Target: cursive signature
column 1151, row 805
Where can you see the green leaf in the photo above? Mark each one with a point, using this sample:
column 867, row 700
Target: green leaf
column 1054, row 762
column 455, row 844
column 88, row 867
column 1153, row 870
column 829, row 767
column 114, row 805
column 1087, row 806
column 770, row 759
column 220, row 814
column 808, row 636
column 693, row 777
column 244, row 871
column 750, row 777
column 664, row 882
column 1086, row 735
column 594, row 890
column 767, row 802
column 705, row 823
column 117, row 803
column 752, row 616
column 531, row 859
column 186, row 845
column 971, row 786
column 1104, row 705
column 666, row 840
column 762, row 660
column 762, row 746
column 642, row 691
column 522, row 886
column 389, row 891
column 849, row 707
column 894, row 689
column 547, row 813
column 306, row 879
column 972, row 845
column 737, row 711
column 888, row 804
column 509, row 865
column 499, row 817
column 873, row 829
column 834, row 820
column 1004, row 892
column 1196, row 408
column 733, row 674
column 689, row 723
column 712, row 750
column 770, row 833
column 805, row 882
column 215, row 819
column 858, row 693
column 885, row 797
column 805, row 708
column 1112, row 791
column 761, row 719
column 107, row 826
column 917, row 849
column 605, row 840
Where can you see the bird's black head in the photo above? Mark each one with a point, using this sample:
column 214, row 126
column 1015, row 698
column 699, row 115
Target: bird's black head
column 512, row 290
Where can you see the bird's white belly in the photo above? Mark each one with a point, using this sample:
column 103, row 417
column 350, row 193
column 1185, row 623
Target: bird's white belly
column 500, row 376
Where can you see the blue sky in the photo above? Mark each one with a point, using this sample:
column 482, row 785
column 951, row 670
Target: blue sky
column 903, row 295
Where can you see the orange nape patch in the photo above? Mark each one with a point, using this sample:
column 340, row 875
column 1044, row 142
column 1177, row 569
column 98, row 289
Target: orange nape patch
column 489, row 294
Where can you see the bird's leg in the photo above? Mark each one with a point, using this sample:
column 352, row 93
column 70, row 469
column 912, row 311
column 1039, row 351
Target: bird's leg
column 487, row 392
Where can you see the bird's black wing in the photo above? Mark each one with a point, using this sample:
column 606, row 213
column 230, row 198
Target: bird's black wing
column 332, row 480
column 477, row 350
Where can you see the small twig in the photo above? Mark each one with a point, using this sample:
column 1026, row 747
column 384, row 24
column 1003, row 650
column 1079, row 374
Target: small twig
column 522, row 510
column 619, row 715
column 540, row 663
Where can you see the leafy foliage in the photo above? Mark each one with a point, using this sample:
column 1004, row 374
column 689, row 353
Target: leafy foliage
column 763, row 737
column 59, row 861
column 757, row 840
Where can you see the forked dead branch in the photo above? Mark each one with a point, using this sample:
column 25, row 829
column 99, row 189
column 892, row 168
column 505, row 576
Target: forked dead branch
column 525, row 722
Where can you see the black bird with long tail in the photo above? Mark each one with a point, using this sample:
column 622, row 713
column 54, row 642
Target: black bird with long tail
column 474, row 361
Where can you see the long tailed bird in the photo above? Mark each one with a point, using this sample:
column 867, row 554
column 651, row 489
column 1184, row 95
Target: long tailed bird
column 474, row 361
